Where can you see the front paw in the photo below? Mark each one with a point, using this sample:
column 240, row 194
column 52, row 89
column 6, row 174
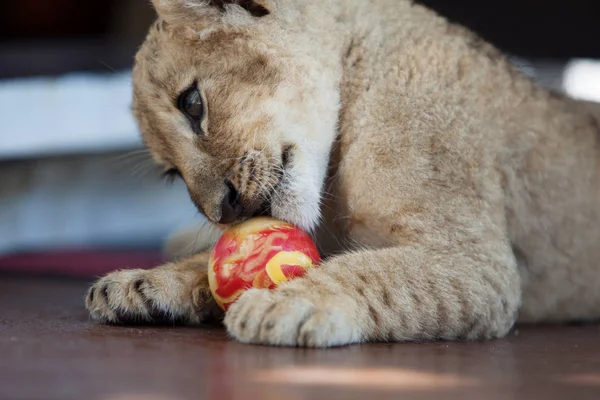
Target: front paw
column 148, row 296
column 275, row 317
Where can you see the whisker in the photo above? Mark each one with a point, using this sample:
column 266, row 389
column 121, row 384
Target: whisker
column 133, row 155
column 143, row 169
column 107, row 66
column 200, row 229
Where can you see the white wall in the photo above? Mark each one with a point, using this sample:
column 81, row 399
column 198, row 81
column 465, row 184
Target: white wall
column 101, row 200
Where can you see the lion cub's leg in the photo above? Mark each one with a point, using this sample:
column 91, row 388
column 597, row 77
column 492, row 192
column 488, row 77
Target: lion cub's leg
column 173, row 293
column 405, row 293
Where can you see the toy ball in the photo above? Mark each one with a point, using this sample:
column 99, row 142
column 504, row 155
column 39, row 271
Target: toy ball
column 258, row 253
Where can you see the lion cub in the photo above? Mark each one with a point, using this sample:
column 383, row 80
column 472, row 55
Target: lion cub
column 460, row 196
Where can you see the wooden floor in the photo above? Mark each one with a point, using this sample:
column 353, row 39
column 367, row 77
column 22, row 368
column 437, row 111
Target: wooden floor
column 49, row 350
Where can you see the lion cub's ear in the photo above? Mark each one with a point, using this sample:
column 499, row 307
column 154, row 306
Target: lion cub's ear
column 257, row 8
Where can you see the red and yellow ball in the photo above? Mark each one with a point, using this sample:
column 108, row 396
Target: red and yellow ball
column 259, row 253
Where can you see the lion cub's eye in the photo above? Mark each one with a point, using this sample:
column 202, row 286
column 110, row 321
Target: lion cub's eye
column 190, row 103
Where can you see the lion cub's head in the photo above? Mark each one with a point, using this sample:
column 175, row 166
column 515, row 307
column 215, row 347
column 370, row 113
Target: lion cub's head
column 234, row 97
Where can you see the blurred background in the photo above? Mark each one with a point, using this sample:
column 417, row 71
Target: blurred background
column 73, row 175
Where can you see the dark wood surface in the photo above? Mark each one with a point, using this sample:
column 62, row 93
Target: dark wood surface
column 50, row 350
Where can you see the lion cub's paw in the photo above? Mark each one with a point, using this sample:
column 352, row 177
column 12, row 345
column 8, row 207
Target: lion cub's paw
column 148, row 296
column 278, row 318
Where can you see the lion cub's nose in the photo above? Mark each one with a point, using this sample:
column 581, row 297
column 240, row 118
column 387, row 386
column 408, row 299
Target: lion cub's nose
column 230, row 206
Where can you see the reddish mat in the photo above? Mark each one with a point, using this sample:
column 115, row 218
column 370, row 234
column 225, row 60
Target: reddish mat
column 79, row 263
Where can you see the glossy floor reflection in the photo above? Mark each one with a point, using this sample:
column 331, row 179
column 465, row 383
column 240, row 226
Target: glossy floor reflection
column 50, row 350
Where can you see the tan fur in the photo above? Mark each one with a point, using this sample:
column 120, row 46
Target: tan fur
column 457, row 195
column 173, row 293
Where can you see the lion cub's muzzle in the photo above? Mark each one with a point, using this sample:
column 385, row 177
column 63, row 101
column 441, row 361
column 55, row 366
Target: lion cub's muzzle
column 231, row 207
column 245, row 191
